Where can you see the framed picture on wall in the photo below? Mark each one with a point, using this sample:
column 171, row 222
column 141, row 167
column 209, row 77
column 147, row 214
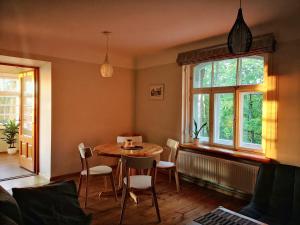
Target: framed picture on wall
column 156, row 92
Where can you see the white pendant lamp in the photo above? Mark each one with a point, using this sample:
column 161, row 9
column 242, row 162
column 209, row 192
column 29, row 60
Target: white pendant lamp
column 106, row 68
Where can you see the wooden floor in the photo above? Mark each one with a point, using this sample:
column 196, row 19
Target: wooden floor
column 9, row 166
column 175, row 208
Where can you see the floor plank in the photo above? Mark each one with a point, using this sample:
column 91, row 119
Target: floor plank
column 175, row 208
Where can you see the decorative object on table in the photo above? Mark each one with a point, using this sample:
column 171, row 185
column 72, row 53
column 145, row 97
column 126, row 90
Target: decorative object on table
column 156, row 92
column 240, row 37
column 135, row 147
column 11, row 129
column 106, row 68
column 128, row 143
column 197, row 131
column 136, row 138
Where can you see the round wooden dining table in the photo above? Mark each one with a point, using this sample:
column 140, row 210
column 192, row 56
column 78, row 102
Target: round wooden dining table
column 116, row 150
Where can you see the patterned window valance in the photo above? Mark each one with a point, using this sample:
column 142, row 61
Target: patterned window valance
column 261, row 44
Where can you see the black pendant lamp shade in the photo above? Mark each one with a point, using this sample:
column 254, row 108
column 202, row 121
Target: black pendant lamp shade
column 240, row 37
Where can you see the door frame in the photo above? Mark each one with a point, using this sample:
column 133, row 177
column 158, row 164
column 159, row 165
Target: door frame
column 36, row 112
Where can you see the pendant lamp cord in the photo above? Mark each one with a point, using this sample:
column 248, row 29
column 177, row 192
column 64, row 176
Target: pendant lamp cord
column 106, row 33
column 240, row 4
column 107, row 44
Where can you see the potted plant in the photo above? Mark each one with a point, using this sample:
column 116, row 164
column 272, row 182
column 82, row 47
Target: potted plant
column 11, row 129
column 197, row 131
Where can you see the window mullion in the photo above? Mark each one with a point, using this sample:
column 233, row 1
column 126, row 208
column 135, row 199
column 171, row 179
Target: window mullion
column 211, row 117
column 236, row 119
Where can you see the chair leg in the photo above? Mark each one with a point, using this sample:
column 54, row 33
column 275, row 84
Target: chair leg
column 105, row 183
column 177, row 180
column 124, row 200
column 86, row 190
column 79, row 185
column 170, row 176
column 120, row 174
column 113, row 186
column 156, row 204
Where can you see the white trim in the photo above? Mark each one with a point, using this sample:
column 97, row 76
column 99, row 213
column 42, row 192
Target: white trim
column 185, row 104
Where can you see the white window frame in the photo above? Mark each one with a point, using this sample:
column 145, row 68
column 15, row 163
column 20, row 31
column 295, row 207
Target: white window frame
column 187, row 106
column 11, row 93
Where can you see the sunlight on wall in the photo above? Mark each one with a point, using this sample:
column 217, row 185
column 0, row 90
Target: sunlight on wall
column 270, row 116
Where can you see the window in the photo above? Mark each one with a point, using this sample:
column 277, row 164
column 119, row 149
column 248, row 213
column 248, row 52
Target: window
column 229, row 95
column 9, row 98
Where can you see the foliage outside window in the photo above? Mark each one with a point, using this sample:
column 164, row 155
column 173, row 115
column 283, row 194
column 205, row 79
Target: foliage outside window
column 229, row 95
column 9, row 98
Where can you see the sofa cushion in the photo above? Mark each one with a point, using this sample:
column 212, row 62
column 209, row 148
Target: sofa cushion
column 276, row 199
column 4, row 220
column 295, row 220
column 282, row 194
column 9, row 207
column 51, row 204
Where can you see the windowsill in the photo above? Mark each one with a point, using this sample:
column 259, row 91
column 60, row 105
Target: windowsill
column 224, row 153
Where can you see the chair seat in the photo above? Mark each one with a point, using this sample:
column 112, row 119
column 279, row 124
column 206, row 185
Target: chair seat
column 165, row 164
column 139, row 181
column 98, row 170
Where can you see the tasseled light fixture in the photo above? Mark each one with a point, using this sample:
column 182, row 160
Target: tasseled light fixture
column 106, row 68
column 240, row 37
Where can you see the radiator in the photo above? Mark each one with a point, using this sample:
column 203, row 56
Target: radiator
column 226, row 173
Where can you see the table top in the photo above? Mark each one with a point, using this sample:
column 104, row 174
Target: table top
column 115, row 150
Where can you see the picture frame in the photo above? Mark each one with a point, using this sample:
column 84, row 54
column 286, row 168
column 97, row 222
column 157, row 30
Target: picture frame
column 156, row 92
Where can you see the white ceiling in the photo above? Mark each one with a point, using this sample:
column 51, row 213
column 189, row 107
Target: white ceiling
column 139, row 26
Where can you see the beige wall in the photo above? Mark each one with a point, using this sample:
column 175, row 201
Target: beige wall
column 157, row 120
column 165, row 121
column 88, row 108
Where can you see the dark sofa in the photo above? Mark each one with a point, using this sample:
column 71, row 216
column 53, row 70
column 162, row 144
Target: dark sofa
column 52, row 204
column 276, row 199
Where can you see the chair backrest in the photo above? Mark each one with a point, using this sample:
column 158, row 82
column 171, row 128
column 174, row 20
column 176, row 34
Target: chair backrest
column 172, row 146
column 139, row 163
column 85, row 153
column 81, row 145
column 135, row 139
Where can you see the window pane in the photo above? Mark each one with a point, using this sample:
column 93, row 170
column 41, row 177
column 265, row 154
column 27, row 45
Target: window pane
column 202, row 75
column 251, row 70
column 225, row 73
column 223, row 122
column 201, row 114
column 9, row 84
column 9, row 108
column 251, row 120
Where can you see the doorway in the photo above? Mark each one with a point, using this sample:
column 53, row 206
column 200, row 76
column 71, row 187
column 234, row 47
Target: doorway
column 19, row 116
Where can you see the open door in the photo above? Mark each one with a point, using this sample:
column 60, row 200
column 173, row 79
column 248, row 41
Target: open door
column 28, row 121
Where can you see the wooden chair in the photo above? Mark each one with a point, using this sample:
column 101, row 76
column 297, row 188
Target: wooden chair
column 170, row 165
column 138, row 182
column 85, row 154
column 120, row 140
